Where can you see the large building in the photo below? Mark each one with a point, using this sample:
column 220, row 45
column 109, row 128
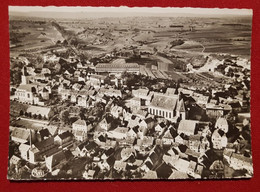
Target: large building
column 117, row 66
column 169, row 107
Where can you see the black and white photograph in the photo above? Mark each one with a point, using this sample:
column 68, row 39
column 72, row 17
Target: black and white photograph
column 120, row 93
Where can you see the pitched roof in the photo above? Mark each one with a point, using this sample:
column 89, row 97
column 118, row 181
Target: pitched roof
column 150, row 175
column 44, row 111
column 165, row 102
column 27, row 87
column 164, row 171
column 65, row 135
column 21, row 133
column 14, row 159
column 221, row 122
column 40, row 145
column 178, row 175
column 180, row 106
column 187, row 127
column 44, row 133
column 80, row 122
column 170, row 91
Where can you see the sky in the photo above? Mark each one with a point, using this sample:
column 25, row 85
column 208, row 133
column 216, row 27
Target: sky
column 126, row 10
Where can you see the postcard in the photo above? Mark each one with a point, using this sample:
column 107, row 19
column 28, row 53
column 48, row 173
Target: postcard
column 119, row 93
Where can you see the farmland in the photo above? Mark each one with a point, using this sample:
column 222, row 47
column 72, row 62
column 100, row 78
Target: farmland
column 162, row 46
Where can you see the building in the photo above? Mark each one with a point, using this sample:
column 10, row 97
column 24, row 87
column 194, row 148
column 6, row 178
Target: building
column 58, row 159
column 187, row 127
column 25, row 93
column 118, row 66
column 22, row 135
column 169, row 107
column 222, row 124
column 44, row 112
column 219, row 139
column 80, row 129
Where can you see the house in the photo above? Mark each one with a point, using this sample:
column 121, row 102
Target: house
column 164, row 171
column 127, row 152
column 132, row 132
column 107, row 153
column 63, row 139
column 187, row 127
column 146, row 141
column 90, row 174
column 186, row 92
column 142, row 114
column 24, row 150
column 65, row 94
column 147, row 124
column 116, row 111
column 56, row 160
column 91, row 148
column 80, row 129
column 171, row 91
column 168, row 137
column 112, row 92
column 100, row 136
column 26, row 93
column 53, row 130
column 182, row 165
column 22, row 135
column 96, row 80
column 195, row 142
column 216, row 169
column 219, row 139
column 143, row 96
column 120, row 166
column 81, row 149
column 216, row 111
column 239, row 161
column 14, row 160
column 200, row 99
column 154, row 156
column 133, row 122
column 178, row 175
column 160, row 128
column 150, row 175
column 179, row 139
column 118, row 133
column 222, row 124
column 105, row 124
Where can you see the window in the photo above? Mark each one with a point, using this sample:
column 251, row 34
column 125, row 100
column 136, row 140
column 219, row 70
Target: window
column 163, row 113
column 170, row 114
column 160, row 112
column 166, row 114
column 28, row 95
column 156, row 111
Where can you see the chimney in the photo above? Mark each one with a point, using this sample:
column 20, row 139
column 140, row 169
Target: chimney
column 30, row 138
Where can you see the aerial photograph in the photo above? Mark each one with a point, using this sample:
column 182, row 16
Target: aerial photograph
column 119, row 93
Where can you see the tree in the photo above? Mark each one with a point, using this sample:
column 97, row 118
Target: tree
column 65, row 117
column 39, row 116
column 21, row 113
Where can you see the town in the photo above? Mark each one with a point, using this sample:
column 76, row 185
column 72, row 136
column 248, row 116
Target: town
column 120, row 115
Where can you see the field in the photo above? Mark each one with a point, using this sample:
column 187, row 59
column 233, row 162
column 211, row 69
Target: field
column 162, row 46
column 32, row 35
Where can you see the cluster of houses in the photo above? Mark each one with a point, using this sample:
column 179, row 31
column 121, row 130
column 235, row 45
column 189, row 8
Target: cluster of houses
column 149, row 134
